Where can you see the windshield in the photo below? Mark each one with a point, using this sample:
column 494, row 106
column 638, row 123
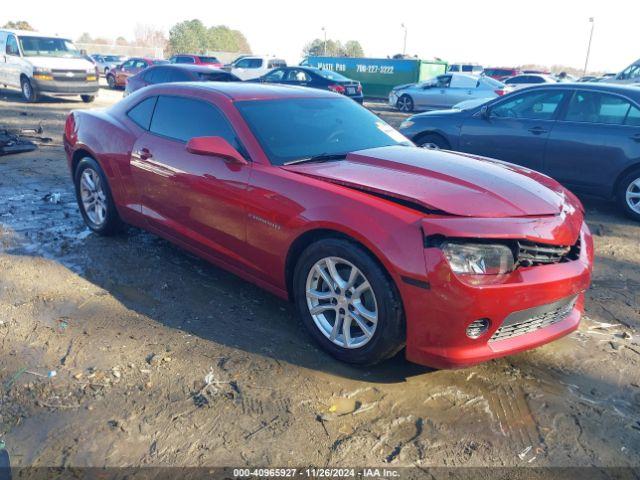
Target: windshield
column 48, row 47
column 492, row 82
column 297, row 128
column 329, row 75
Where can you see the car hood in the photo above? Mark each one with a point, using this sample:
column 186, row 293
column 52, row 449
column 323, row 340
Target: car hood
column 61, row 63
column 446, row 182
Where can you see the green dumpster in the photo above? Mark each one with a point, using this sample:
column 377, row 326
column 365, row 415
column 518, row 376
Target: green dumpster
column 379, row 75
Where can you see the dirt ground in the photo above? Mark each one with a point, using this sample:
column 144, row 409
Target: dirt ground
column 162, row 359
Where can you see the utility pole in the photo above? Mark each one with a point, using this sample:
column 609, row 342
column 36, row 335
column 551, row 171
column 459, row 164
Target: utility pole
column 586, row 62
column 325, row 40
column 404, row 45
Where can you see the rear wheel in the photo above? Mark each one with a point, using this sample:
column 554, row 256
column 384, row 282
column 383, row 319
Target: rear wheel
column 405, row 103
column 432, row 141
column 347, row 302
column 628, row 194
column 28, row 92
column 94, row 198
column 88, row 98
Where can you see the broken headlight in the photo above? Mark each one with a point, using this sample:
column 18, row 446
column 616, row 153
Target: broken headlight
column 478, row 258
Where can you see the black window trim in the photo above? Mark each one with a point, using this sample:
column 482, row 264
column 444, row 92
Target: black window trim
column 242, row 150
column 574, row 91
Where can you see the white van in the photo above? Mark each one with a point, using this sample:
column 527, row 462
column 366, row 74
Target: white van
column 45, row 64
column 249, row 67
column 631, row 74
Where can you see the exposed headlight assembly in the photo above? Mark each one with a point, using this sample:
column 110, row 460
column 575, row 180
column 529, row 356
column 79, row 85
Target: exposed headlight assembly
column 478, row 258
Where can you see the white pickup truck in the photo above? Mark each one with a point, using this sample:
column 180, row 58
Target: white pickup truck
column 45, row 64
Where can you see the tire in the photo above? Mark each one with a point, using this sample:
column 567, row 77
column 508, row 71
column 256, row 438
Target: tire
column 104, row 221
column 386, row 337
column 28, row 92
column 628, row 194
column 405, row 103
column 111, row 81
column 88, row 98
column 432, row 141
column 106, row 71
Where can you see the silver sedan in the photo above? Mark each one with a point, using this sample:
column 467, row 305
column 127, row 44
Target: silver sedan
column 444, row 91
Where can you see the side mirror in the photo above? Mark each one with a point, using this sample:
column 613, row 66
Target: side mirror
column 484, row 112
column 215, row 147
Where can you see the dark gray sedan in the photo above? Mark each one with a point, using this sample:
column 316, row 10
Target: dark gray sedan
column 586, row 136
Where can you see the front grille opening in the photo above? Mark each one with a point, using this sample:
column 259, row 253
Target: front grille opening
column 531, row 254
column 511, row 328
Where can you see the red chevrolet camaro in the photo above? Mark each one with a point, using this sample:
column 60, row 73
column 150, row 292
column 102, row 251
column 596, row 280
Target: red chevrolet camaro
column 380, row 244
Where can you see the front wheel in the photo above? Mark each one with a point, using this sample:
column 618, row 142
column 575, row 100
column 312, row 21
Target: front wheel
column 405, row 103
column 628, row 194
column 347, row 302
column 28, row 92
column 111, row 81
column 432, row 141
column 94, row 198
column 88, row 98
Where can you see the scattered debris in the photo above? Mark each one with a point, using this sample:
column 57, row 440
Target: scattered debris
column 54, row 198
column 13, row 141
column 344, row 406
column 524, row 452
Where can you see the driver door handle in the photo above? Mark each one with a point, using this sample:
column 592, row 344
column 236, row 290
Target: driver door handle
column 538, row 130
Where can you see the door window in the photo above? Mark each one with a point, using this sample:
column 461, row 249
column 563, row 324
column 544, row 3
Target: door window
column 249, row 63
column 140, row 64
column 530, row 105
column 128, row 64
column 297, row 76
column 12, row 46
column 443, row 81
column 275, row 76
column 142, row 112
column 596, row 107
column 185, row 60
column 182, row 119
column 177, row 75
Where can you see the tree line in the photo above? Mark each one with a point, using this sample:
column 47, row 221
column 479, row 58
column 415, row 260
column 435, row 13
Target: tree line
column 192, row 36
column 333, row 48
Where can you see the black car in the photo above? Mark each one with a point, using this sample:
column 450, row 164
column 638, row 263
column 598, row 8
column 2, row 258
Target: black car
column 587, row 136
column 177, row 73
column 315, row 78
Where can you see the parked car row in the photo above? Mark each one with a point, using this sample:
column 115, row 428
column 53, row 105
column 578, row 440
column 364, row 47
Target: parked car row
column 587, row 136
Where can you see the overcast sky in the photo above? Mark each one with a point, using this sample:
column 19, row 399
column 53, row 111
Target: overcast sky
column 503, row 33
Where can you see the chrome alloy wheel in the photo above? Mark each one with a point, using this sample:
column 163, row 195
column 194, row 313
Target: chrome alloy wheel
column 404, row 104
column 341, row 302
column 93, row 196
column 633, row 195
